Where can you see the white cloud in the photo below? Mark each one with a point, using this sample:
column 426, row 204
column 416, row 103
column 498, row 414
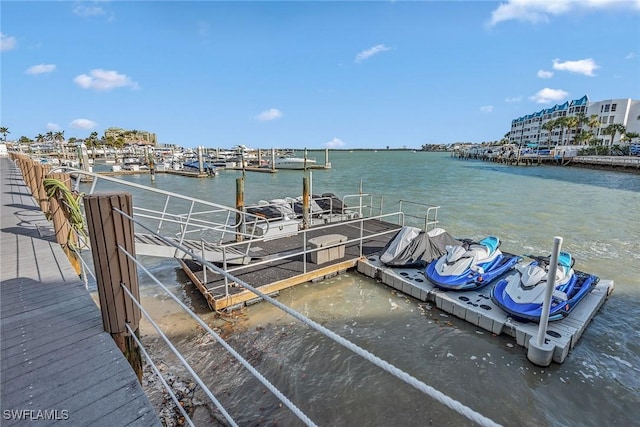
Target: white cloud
column 54, row 127
column 537, row 11
column 486, row 108
column 270, row 114
column 543, row 74
column 631, row 55
column 582, row 66
column 7, row 42
column 334, row 143
column 104, row 80
column 365, row 54
column 514, row 99
column 83, row 9
column 41, row 69
column 83, row 124
column 547, row 95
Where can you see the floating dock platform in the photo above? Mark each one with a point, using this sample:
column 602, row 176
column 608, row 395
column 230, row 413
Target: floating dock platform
column 477, row 308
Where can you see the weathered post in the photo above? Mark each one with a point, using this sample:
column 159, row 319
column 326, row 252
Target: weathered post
column 30, row 176
column 305, row 203
column 200, row 161
column 273, row 159
column 109, row 229
column 239, row 208
column 61, row 226
column 41, row 195
column 152, row 165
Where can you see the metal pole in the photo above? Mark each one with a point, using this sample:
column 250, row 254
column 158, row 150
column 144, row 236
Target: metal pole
column 305, row 203
column 551, row 280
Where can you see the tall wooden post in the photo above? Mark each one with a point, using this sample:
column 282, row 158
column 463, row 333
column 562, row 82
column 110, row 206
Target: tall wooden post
column 109, row 229
column 41, row 174
column 61, row 225
column 305, row 203
column 239, row 208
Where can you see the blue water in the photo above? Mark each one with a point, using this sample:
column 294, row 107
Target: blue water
column 596, row 212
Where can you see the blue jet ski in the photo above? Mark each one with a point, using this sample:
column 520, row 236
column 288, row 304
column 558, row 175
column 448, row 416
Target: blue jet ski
column 470, row 265
column 521, row 294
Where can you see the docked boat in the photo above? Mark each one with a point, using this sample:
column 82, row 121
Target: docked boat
column 470, row 265
column 194, row 166
column 292, row 162
column 521, row 294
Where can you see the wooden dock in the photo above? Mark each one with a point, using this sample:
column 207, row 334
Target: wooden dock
column 477, row 308
column 272, row 276
column 57, row 363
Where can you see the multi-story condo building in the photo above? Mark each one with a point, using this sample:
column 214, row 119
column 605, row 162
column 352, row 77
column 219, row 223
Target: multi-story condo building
column 140, row 137
column 531, row 129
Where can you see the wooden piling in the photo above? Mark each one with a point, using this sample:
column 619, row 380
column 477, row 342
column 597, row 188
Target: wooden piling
column 239, row 208
column 63, row 232
column 109, row 229
column 305, row 203
column 41, row 194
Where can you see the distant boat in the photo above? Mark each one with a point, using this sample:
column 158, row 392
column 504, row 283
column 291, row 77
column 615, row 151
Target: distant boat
column 194, row 166
column 291, row 162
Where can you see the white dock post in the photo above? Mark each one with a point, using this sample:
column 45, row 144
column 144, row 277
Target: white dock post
column 540, row 352
column 200, row 160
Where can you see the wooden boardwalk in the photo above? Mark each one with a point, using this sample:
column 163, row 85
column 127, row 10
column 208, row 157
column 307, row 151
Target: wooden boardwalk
column 57, row 363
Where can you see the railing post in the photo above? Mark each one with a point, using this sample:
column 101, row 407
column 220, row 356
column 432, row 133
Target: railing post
column 61, row 227
column 109, row 229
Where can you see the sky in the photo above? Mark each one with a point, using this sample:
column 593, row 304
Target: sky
column 308, row 74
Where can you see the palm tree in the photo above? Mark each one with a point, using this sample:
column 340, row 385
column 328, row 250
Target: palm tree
column 40, row 138
column 549, row 127
column 92, row 142
column 613, row 130
column 593, row 122
column 562, row 123
column 583, row 138
column 572, row 123
column 4, row 131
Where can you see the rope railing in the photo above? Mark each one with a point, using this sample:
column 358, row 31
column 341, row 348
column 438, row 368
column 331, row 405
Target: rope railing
column 156, row 370
column 386, row 366
column 175, row 351
column 220, row 341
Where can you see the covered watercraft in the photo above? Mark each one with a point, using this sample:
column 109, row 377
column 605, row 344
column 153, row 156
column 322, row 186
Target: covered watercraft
column 521, row 294
column 414, row 247
column 470, row 265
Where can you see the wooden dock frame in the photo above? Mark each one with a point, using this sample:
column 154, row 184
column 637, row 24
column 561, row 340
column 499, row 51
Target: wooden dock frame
column 237, row 300
column 477, row 308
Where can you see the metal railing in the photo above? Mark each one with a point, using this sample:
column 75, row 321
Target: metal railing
column 183, row 220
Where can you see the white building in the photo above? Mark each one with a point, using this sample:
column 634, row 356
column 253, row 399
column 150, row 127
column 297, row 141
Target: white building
column 530, row 130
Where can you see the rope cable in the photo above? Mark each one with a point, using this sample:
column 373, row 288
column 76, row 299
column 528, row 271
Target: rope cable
column 419, row 385
column 224, row 344
column 159, row 375
column 179, row 356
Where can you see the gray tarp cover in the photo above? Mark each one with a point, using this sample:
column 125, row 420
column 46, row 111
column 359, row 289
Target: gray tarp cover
column 416, row 251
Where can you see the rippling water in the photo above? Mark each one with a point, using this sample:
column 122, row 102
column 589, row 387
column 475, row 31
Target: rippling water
column 596, row 212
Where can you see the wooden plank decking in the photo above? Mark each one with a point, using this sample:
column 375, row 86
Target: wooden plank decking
column 57, row 363
column 273, row 276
